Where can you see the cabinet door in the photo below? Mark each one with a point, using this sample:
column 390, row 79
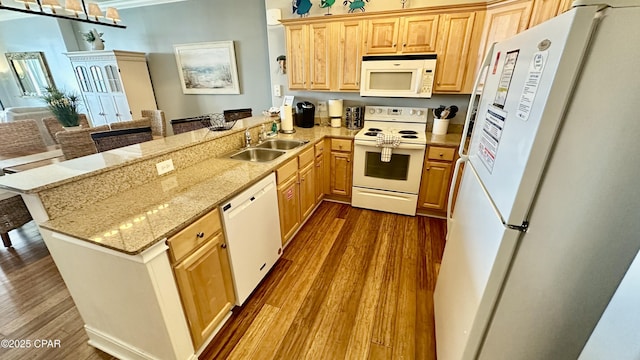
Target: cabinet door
column 349, row 54
column 564, row 6
column 340, row 178
column 121, row 107
column 453, row 53
column 319, row 56
column 319, row 175
column 297, row 56
column 204, row 280
column 419, row 34
column 434, row 187
column 307, row 191
column 544, row 10
column 289, row 208
column 109, row 109
column 94, row 108
column 502, row 22
column 382, row 36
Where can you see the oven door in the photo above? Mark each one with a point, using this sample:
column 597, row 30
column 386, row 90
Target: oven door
column 402, row 173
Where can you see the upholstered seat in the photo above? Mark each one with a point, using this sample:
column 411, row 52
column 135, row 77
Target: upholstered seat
column 113, row 139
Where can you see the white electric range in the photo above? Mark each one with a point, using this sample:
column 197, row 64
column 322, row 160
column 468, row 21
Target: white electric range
column 389, row 186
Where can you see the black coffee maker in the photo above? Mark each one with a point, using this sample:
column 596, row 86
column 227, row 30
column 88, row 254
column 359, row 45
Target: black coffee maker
column 305, row 115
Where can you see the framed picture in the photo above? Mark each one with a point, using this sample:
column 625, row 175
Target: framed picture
column 208, row 68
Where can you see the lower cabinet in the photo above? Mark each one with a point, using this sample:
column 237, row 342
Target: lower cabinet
column 319, row 171
column 341, row 167
column 436, row 180
column 296, row 192
column 201, row 268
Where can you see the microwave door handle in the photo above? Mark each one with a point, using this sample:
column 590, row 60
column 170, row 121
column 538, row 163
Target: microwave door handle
column 418, row 86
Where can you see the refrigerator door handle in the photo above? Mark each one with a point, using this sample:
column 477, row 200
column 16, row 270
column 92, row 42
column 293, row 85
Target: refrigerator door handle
column 452, row 189
column 474, row 98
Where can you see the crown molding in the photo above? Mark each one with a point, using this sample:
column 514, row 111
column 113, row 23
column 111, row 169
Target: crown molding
column 119, row 4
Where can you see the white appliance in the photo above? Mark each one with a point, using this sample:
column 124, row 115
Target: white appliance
column 252, row 228
column 546, row 219
column 409, row 76
column 389, row 186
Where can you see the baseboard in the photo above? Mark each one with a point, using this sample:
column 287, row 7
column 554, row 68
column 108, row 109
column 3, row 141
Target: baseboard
column 116, row 348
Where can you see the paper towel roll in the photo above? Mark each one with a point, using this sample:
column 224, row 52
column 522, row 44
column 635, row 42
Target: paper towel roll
column 286, row 118
column 335, row 108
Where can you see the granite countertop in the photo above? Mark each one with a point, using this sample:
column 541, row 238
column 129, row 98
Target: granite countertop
column 134, row 220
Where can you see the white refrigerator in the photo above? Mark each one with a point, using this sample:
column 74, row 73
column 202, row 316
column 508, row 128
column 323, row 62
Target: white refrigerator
column 546, row 221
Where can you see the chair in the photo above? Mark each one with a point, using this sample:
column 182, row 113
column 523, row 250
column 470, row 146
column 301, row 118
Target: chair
column 237, row 114
column 144, row 122
column 77, row 143
column 53, row 125
column 158, row 122
column 189, row 124
column 21, row 137
column 13, row 214
column 113, row 139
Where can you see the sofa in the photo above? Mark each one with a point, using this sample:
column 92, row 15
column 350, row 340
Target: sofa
column 36, row 113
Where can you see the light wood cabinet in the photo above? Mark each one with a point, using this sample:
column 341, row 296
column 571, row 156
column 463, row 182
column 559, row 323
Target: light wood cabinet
column 297, row 56
column 202, row 272
column 351, row 35
column 115, row 85
column 544, row 10
column 307, row 190
column 289, row 202
column 454, row 47
column 340, row 167
column 502, row 21
column 319, row 56
column 402, row 35
column 319, row 171
column 436, row 180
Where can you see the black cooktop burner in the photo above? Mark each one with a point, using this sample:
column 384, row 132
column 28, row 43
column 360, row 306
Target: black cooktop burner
column 409, row 136
column 371, row 133
column 408, row 132
column 375, row 129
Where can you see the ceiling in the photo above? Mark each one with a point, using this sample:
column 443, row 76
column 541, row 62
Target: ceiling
column 119, row 4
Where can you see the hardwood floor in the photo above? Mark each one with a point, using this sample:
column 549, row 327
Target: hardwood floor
column 353, row 284
column 35, row 303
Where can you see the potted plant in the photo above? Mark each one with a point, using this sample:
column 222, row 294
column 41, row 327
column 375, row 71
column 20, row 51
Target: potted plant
column 63, row 106
column 94, row 38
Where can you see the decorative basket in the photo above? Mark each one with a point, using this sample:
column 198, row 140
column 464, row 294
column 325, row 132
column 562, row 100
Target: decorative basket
column 217, row 122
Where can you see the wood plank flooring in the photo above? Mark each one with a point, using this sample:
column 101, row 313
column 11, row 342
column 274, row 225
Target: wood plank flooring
column 353, row 284
column 35, row 303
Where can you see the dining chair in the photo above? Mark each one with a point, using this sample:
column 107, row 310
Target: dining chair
column 77, row 143
column 53, row 125
column 158, row 122
column 237, row 114
column 113, row 139
column 13, row 214
column 144, row 122
column 21, row 137
column 180, row 126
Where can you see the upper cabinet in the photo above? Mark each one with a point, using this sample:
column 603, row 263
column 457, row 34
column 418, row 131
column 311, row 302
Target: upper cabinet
column 351, row 35
column 297, row 56
column 402, row 35
column 453, row 51
column 544, row 10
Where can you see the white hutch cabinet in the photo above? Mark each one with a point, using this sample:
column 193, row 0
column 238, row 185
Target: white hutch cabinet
column 115, row 85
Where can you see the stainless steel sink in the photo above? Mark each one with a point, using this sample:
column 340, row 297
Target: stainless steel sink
column 281, row 144
column 257, row 155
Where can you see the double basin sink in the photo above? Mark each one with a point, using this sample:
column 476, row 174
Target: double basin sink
column 267, row 151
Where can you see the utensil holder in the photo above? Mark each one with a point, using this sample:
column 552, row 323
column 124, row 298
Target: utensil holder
column 440, row 126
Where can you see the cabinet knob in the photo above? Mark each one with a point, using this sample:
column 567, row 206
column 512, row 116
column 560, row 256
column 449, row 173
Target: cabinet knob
column 224, row 246
column 441, row 154
column 404, row 45
column 394, row 45
column 340, row 146
column 428, row 169
column 348, row 160
column 200, row 235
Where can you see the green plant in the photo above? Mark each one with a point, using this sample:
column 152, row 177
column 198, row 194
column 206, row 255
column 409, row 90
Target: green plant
column 90, row 36
column 63, row 106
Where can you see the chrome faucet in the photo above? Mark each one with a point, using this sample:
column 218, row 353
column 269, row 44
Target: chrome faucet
column 247, row 138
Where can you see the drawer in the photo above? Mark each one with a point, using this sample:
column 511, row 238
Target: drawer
column 440, row 153
column 285, row 171
column 319, row 147
column 306, row 157
column 340, row 145
column 194, row 235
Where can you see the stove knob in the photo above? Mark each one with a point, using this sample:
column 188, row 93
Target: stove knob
column 372, row 110
column 412, row 112
column 419, row 113
column 379, row 111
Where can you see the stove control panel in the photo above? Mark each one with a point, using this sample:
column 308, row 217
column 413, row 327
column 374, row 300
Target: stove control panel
column 398, row 114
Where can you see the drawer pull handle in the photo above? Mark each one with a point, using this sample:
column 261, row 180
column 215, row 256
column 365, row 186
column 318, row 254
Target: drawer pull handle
column 441, row 154
column 200, row 235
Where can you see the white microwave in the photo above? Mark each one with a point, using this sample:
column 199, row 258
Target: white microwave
column 409, row 76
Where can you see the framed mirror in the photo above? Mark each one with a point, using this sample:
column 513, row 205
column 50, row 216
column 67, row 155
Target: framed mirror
column 31, row 72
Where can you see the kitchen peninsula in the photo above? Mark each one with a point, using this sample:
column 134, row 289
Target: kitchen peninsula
column 105, row 219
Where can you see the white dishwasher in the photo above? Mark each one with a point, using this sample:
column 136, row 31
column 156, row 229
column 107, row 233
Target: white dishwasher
column 252, row 227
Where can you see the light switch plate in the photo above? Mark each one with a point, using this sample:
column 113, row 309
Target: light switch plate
column 277, row 90
column 164, row 167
